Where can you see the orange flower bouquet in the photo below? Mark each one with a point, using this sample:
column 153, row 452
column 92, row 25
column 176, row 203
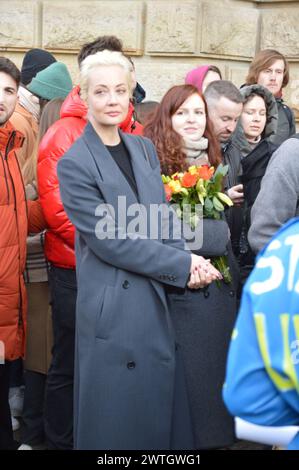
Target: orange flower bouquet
column 200, row 185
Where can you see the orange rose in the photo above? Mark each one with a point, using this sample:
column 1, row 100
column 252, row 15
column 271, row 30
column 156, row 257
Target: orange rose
column 205, row 172
column 188, row 180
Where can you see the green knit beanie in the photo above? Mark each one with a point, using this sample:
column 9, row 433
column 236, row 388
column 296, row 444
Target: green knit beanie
column 52, row 82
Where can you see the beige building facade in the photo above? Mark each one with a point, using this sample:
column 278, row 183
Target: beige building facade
column 165, row 38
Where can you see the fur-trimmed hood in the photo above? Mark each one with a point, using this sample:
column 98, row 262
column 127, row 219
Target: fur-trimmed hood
column 239, row 138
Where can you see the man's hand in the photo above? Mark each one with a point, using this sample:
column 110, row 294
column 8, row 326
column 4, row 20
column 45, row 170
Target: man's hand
column 236, row 194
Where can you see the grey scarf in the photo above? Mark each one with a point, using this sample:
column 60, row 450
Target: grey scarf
column 195, row 151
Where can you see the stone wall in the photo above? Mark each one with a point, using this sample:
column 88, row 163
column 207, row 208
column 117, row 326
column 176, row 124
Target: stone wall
column 166, row 38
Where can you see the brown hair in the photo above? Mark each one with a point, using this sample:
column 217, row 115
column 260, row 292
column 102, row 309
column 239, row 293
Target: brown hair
column 112, row 43
column 167, row 141
column 145, row 110
column 50, row 114
column 262, row 61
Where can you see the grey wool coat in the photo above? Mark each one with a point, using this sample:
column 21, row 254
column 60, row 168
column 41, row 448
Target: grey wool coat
column 127, row 378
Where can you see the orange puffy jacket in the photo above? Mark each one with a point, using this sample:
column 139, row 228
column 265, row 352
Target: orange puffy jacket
column 60, row 236
column 13, row 233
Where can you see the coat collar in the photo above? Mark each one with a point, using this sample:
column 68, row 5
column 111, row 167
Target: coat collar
column 109, row 170
column 10, row 138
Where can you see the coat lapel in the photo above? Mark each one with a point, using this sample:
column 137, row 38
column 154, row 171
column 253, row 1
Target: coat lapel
column 142, row 169
column 111, row 181
column 149, row 190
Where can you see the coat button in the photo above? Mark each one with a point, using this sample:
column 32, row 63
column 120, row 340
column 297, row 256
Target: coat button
column 131, row 365
column 206, row 294
column 232, row 293
column 126, row 284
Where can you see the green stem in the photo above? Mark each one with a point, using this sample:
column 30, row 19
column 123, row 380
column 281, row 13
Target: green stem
column 221, row 263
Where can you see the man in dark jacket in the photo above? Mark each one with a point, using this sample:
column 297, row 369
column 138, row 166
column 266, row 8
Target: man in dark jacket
column 225, row 104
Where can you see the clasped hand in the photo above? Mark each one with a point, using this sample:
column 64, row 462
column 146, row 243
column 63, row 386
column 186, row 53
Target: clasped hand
column 202, row 272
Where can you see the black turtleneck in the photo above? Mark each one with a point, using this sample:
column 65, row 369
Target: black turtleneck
column 122, row 158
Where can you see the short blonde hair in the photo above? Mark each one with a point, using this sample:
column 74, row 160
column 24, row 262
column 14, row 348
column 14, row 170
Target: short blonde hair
column 103, row 58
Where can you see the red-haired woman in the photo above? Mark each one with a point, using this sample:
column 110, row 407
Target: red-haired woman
column 182, row 134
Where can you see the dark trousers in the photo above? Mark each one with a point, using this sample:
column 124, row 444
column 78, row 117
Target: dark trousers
column 16, row 378
column 60, row 379
column 33, row 411
column 6, row 434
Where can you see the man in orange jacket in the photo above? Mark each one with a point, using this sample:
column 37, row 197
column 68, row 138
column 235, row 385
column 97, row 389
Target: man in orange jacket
column 14, row 217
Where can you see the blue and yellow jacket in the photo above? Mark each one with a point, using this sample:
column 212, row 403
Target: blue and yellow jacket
column 262, row 379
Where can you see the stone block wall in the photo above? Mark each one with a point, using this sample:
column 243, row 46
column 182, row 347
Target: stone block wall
column 166, row 38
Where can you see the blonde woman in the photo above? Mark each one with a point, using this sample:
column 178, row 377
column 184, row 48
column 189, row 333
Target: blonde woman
column 129, row 386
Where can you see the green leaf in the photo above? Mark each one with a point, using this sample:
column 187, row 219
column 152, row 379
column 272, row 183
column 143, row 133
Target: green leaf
column 208, row 204
column 221, row 170
column 217, row 204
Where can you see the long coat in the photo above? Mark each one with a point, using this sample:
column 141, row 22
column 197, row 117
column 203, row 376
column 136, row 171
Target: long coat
column 204, row 321
column 125, row 350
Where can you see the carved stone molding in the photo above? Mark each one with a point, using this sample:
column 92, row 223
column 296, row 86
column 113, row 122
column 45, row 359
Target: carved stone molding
column 68, row 25
column 18, row 24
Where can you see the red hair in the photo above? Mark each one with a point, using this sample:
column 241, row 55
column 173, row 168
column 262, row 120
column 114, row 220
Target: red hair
column 167, row 141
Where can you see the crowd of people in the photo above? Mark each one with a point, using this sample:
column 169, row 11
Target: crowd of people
column 114, row 339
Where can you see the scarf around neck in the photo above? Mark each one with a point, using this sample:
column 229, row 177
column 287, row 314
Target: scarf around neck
column 196, row 151
column 27, row 103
